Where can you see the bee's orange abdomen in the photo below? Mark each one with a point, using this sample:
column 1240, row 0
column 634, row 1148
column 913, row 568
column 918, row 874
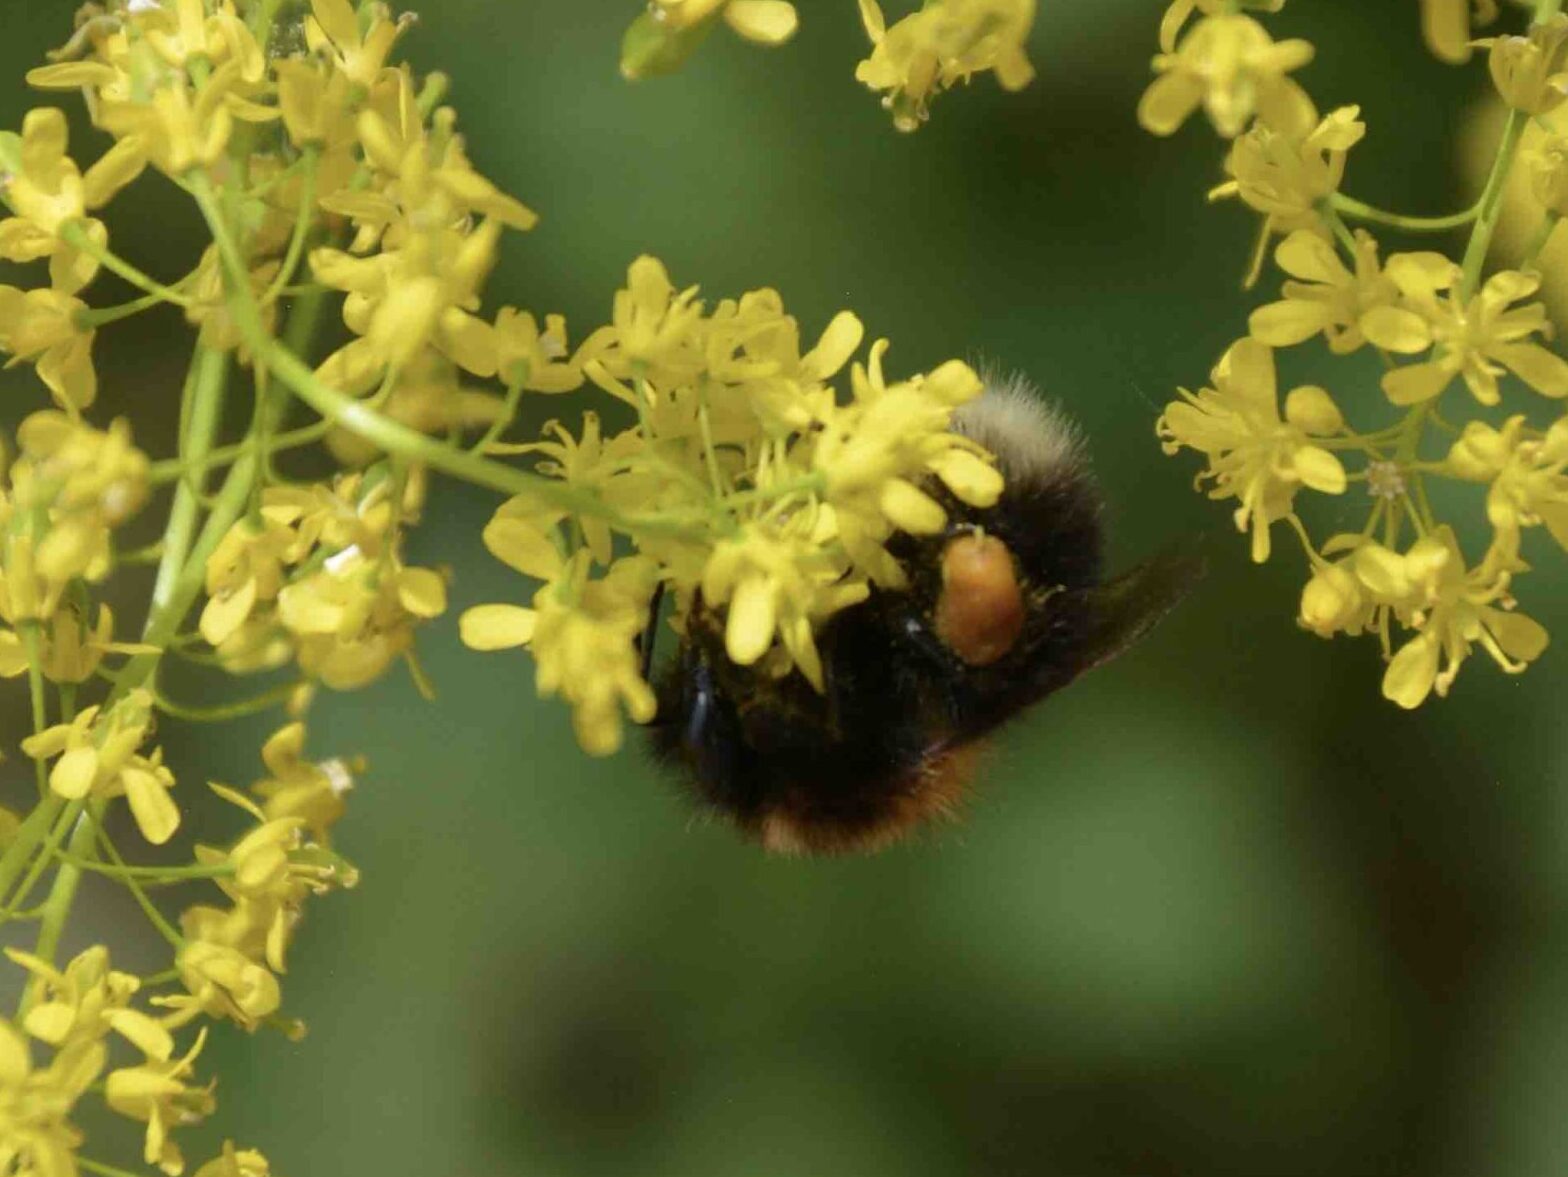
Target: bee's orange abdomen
column 981, row 610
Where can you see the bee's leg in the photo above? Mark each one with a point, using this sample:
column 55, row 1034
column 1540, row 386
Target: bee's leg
column 646, row 641
column 922, row 641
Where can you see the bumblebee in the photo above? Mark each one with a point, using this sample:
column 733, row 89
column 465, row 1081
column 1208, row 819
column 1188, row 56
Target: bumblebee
column 1003, row 608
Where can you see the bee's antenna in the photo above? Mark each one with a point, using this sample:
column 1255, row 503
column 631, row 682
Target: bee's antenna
column 645, row 642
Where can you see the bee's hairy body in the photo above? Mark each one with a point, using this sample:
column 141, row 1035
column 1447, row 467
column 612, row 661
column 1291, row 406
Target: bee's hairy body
column 891, row 741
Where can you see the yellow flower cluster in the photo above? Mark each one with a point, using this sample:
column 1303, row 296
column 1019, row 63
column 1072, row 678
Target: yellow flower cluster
column 917, row 57
column 1438, row 324
column 316, row 576
column 745, row 486
column 727, row 469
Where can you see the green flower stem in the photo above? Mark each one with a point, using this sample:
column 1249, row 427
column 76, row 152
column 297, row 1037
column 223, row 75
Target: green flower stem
column 149, row 909
column 46, row 855
column 238, row 709
column 1490, row 205
column 203, row 406
column 1351, row 207
column 302, row 226
column 383, row 432
column 93, row 318
column 514, row 394
column 173, row 468
column 34, row 829
column 73, row 236
column 179, row 579
column 154, row 874
column 35, row 687
column 57, row 907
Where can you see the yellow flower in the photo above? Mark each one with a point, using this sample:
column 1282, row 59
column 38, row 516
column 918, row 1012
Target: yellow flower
column 1454, row 609
column 244, row 571
column 1234, row 69
column 39, row 326
column 1329, row 298
column 533, row 359
column 1525, row 471
column 36, row 1137
column 232, row 1162
column 776, row 582
column 1546, row 158
column 427, row 395
column 156, row 1091
column 74, row 483
column 1284, row 175
column 1254, row 456
column 351, row 618
column 1480, row 340
column 593, row 465
column 768, row 22
column 299, row 788
column 654, row 331
column 177, row 132
column 754, row 345
column 73, row 468
column 48, row 193
column 1335, row 601
column 875, row 453
column 333, row 31
column 662, row 38
column 1446, row 25
column 583, row 639
column 1529, row 71
column 272, row 872
column 97, row 755
column 71, row 652
column 190, row 32
column 223, row 983
column 71, row 1007
column 942, row 44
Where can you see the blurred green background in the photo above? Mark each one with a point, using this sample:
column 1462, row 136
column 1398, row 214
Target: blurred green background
column 1218, row 909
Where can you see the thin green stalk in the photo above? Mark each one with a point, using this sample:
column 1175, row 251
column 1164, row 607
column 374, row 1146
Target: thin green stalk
column 302, row 226
column 31, row 641
column 225, row 711
column 154, row 874
column 149, row 909
column 172, row 468
column 1361, row 211
column 73, row 236
column 46, row 854
column 1490, row 205
column 92, row 318
column 62, row 893
column 205, row 396
column 34, row 829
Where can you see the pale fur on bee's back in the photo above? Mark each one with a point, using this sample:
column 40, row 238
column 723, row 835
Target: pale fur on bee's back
column 1034, row 441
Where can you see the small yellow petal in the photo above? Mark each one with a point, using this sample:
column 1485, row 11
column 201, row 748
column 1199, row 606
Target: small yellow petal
column 1410, row 675
column 73, row 774
column 748, row 631
column 767, row 22
column 497, row 627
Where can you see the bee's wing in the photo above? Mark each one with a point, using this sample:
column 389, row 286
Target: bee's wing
column 1121, row 611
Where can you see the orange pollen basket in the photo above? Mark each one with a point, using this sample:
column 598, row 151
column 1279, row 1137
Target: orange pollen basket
column 980, row 613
